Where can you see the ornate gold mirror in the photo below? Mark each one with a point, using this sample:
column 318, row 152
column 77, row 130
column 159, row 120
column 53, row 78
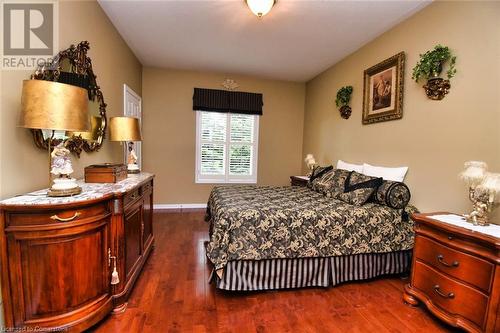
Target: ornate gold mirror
column 73, row 66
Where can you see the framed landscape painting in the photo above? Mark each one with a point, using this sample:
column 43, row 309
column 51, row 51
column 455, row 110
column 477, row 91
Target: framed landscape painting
column 383, row 90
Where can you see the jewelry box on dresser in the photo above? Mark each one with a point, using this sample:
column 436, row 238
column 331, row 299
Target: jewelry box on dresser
column 68, row 262
column 456, row 271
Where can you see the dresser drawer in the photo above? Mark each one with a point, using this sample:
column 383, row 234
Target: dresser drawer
column 450, row 295
column 460, row 265
column 147, row 187
column 132, row 196
column 49, row 217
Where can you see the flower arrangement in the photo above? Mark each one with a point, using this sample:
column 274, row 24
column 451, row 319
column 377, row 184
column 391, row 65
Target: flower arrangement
column 431, row 63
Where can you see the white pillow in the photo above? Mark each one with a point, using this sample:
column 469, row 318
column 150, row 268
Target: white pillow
column 395, row 174
column 349, row 166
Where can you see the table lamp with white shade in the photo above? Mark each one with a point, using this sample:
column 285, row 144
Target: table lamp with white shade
column 55, row 106
column 310, row 163
column 484, row 191
column 126, row 129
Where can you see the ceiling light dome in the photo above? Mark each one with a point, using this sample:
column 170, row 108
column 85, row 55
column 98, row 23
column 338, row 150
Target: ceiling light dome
column 260, row 7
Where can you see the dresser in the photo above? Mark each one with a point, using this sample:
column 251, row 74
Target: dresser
column 58, row 254
column 456, row 274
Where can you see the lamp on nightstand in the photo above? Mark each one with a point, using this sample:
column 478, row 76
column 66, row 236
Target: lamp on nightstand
column 126, row 129
column 55, row 106
column 310, row 162
column 484, row 191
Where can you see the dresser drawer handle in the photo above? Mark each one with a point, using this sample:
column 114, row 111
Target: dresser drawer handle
column 444, row 263
column 440, row 293
column 62, row 219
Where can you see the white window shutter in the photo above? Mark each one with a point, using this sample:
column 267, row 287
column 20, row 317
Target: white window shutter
column 226, row 150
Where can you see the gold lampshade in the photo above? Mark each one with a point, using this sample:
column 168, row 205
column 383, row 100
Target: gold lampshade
column 93, row 134
column 53, row 105
column 124, row 129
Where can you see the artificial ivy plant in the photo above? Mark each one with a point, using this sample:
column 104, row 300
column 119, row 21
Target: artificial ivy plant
column 342, row 101
column 343, row 96
column 431, row 63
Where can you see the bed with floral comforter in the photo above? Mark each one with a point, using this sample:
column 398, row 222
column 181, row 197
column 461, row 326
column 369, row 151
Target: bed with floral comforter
column 264, row 222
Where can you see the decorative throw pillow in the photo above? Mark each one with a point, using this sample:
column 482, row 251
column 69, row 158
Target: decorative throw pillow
column 318, row 171
column 392, row 194
column 337, row 183
column 321, row 183
column 359, row 188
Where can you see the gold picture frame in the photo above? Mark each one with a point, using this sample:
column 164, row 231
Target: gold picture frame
column 383, row 86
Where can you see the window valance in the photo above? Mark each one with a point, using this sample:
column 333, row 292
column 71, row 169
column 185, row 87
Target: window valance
column 227, row 101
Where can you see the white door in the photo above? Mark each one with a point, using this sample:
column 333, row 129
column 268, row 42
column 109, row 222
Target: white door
column 132, row 107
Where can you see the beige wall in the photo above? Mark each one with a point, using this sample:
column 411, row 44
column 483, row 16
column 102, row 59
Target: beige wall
column 169, row 130
column 434, row 138
column 23, row 166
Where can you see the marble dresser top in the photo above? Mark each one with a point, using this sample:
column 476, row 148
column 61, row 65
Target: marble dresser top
column 90, row 191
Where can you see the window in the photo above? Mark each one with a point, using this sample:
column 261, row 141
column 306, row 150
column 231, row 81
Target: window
column 226, row 147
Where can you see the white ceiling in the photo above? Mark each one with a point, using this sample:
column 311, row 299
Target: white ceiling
column 296, row 41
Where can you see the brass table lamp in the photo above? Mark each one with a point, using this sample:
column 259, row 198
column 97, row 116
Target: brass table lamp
column 55, row 106
column 126, row 129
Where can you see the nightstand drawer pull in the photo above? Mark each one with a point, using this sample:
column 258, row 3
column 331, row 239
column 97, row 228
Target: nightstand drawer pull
column 444, row 263
column 440, row 293
column 61, row 219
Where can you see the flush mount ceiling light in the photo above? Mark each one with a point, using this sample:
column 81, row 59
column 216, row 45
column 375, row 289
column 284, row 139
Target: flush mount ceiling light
column 260, row 7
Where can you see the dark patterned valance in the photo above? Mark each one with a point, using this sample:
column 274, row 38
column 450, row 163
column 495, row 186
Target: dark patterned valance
column 227, row 101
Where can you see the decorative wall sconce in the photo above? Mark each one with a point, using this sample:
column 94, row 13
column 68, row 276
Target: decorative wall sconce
column 436, row 88
column 484, row 191
column 430, row 66
column 342, row 101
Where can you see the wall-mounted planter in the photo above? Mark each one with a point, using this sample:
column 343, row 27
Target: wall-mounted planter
column 430, row 66
column 345, row 111
column 436, row 88
column 342, row 101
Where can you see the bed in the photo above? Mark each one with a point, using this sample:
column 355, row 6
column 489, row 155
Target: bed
column 264, row 237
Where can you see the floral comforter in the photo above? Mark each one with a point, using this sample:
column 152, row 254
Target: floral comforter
column 254, row 223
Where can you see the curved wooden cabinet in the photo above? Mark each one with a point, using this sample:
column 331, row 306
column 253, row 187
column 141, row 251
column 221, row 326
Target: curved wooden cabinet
column 456, row 274
column 57, row 257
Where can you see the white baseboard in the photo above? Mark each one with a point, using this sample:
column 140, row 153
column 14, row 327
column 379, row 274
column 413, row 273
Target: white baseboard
column 179, row 206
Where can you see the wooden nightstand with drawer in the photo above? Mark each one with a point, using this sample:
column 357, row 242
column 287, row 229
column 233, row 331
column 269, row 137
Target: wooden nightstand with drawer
column 456, row 274
column 299, row 180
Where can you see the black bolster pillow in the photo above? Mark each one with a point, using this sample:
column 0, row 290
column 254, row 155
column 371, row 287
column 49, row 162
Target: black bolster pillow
column 392, row 194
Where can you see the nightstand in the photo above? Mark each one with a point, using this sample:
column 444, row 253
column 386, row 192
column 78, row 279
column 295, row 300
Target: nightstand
column 299, row 180
column 455, row 272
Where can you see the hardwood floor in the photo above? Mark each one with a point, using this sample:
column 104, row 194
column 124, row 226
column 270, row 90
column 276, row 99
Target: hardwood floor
column 173, row 295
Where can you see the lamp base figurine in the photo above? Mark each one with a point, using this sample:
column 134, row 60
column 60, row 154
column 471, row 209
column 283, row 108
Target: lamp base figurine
column 132, row 166
column 61, row 166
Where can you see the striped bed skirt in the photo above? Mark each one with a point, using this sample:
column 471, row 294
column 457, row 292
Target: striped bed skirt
column 249, row 275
